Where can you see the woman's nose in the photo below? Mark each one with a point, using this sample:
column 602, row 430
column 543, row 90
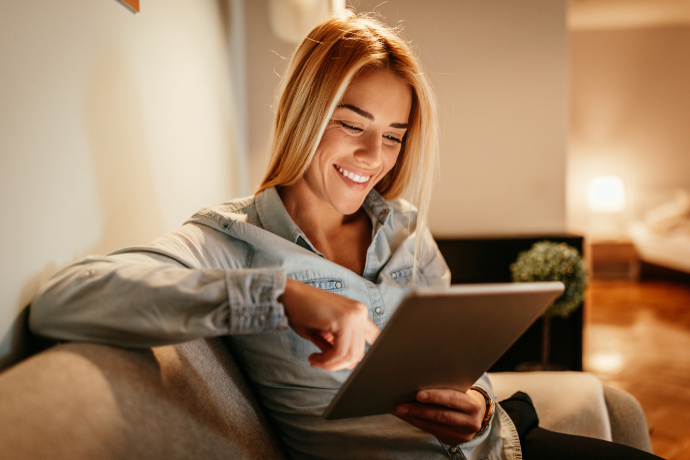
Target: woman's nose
column 370, row 150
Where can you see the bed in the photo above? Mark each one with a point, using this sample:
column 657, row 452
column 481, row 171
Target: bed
column 661, row 230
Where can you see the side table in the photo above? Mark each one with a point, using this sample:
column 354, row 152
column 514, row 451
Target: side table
column 612, row 259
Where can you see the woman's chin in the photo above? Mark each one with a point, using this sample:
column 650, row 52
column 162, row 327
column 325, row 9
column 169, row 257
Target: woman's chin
column 350, row 207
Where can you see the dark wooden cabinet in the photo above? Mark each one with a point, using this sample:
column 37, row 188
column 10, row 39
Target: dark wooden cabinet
column 487, row 260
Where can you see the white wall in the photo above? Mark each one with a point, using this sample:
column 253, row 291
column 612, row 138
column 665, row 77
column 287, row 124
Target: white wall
column 630, row 113
column 500, row 69
column 266, row 58
column 114, row 128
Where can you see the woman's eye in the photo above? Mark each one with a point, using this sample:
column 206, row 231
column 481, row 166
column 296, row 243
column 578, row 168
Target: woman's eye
column 388, row 139
column 391, row 140
column 350, row 128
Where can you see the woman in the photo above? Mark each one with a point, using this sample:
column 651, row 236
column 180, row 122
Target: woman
column 326, row 243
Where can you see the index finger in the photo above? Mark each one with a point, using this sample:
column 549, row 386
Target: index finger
column 334, row 358
column 371, row 331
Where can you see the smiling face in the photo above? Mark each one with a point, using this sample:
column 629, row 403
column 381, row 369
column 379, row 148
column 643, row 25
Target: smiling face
column 361, row 142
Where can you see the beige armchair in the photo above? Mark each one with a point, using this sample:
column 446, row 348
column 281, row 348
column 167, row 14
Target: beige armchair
column 190, row 401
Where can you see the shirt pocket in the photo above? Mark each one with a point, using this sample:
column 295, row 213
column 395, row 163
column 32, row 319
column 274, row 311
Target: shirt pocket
column 299, row 347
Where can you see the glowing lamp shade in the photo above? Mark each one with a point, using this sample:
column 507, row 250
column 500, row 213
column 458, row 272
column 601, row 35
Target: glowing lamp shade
column 606, row 194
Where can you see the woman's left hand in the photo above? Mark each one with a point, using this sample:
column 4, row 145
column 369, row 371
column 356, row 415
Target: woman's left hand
column 451, row 416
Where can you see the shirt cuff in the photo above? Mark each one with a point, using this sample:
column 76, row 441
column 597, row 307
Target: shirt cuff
column 253, row 300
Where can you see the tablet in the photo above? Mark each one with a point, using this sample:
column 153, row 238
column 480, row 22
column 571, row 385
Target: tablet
column 440, row 338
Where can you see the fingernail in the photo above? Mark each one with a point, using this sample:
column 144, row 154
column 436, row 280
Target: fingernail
column 422, row 395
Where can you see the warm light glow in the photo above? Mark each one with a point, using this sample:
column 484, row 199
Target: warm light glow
column 605, row 362
column 606, row 194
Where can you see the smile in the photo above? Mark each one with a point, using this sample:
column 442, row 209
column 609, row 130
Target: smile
column 352, row 176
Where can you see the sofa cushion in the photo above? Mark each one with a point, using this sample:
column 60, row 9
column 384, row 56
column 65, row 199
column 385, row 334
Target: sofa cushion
column 86, row 401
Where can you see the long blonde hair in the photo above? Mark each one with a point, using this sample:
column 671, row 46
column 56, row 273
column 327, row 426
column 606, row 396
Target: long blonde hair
column 319, row 72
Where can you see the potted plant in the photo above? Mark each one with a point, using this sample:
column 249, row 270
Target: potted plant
column 550, row 261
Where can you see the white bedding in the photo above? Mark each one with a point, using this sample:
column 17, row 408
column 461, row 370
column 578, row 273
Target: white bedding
column 670, row 249
column 662, row 236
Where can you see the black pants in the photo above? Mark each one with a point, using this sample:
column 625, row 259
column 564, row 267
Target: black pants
column 538, row 443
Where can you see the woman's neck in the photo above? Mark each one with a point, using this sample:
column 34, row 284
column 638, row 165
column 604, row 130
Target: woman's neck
column 343, row 239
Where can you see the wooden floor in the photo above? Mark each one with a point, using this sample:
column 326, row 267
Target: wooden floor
column 637, row 337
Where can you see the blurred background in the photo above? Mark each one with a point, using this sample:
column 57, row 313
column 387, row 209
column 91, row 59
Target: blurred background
column 557, row 118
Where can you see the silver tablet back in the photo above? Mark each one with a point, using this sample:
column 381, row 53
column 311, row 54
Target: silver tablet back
column 440, row 338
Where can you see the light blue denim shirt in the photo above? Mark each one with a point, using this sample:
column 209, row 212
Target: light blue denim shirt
column 221, row 274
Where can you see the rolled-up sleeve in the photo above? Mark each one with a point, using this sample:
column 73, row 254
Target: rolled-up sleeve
column 150, row 296
column 253, row 297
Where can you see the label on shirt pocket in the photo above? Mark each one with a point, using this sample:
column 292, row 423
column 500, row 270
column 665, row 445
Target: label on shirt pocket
column 402, row 276
column 327, row 284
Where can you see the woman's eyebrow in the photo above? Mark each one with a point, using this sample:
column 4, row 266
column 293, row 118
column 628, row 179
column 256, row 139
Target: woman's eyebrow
column 368, row 116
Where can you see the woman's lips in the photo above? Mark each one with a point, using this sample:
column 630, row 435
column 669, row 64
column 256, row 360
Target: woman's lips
column 354, row 177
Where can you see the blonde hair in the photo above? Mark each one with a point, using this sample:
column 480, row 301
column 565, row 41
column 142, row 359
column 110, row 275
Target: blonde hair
column 319, row 72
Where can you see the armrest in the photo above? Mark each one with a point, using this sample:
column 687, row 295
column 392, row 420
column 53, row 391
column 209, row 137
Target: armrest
column 566, row 402
column 628, row 422
column 577, row 403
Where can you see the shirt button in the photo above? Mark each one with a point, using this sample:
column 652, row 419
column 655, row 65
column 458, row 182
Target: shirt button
column 262, row 317
column 338, row 285
column 378, row 310
column 88, row 273
column 394, row 275
column 243, row 316
column 453, row 449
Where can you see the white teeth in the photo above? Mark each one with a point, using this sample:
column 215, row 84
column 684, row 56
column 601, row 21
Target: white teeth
column 354, row 177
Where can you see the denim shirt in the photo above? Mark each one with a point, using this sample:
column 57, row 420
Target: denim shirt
column 221, row 274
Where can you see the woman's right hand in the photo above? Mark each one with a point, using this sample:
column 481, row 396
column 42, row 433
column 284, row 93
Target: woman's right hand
column 339, row 326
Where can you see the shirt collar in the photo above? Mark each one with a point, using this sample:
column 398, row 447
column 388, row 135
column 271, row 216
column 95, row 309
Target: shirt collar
column 378, row 209
column 275, row 218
